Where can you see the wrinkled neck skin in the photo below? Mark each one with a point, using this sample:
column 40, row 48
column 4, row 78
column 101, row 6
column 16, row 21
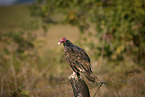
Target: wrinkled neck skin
column 68, row 43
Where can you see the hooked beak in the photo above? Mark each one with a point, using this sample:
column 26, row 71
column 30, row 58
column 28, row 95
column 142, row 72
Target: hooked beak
column 58, row 43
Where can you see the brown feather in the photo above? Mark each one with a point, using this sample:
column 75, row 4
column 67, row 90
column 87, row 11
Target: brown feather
column 78, row 60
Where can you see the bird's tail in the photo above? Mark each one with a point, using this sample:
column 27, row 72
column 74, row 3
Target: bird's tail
column 90, row 76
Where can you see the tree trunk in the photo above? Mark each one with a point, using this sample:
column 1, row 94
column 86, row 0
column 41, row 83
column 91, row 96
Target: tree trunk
column 79, row 86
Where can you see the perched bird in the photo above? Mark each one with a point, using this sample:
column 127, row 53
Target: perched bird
column 78, row 59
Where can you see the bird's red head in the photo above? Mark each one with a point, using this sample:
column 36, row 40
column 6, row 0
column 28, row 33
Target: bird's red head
column 62, row 40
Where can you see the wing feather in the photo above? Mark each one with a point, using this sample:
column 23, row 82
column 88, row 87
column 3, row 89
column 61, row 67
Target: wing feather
column 77, row 59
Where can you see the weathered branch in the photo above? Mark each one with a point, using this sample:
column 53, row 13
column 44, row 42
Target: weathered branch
column 79, row 86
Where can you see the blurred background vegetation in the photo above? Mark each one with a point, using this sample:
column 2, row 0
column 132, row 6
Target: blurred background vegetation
column 111, row 31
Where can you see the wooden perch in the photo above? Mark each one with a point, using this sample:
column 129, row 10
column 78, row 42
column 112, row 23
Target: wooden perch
column 79, row 86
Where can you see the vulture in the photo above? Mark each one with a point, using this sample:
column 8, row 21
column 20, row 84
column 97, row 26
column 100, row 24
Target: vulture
column 78, row 59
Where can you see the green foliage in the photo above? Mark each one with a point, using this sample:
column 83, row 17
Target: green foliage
column 20, row 93
column 118, row 25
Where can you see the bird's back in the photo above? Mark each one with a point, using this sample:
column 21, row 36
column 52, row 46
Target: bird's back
column 77, row 58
